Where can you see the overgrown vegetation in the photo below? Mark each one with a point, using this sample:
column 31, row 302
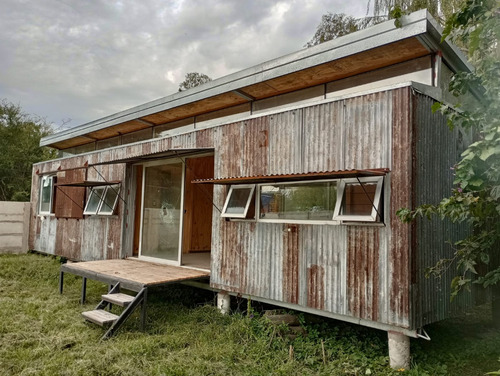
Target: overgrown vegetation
column 476, row 197
column 20, row 136
column 42, row 333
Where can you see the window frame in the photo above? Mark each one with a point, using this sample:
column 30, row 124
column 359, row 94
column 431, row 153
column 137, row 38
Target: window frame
column 294, row 221
column 251, row 196
column 51, row 210
column 98, row 210
column 374, row 216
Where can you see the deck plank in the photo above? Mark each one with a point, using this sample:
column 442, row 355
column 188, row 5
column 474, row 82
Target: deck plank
column 135, row 272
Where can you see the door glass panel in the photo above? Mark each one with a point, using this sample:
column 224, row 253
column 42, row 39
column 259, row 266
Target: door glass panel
column 161, row 211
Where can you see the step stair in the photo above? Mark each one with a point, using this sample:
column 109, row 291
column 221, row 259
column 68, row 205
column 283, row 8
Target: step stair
column 100, row 317
column 120, row 299
column 103, row 317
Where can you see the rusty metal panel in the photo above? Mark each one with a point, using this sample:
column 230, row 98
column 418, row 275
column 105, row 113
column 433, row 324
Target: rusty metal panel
column 398, row 259
column 367, row 132
column 264, row 269
column 285, row 142
column 323, row 139
column 68, row 238
column 204, row 138
column 291, row 264
column 324, row 268
column 437, row 150
column 363, row 249
column 186, row 141
column 256, row 146
column 47, row 233
column 228, row 142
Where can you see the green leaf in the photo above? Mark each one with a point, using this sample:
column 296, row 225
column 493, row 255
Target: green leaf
column 436, row 107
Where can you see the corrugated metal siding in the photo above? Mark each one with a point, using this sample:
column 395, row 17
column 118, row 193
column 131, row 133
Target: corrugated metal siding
column 398, row 260
column 367, row 131
column 437, row 150
column 360, row 271
column 93, row 238
column 363, row 248
column 324, row 267
column 340, row 269
column 323, row 141
column 285, row 142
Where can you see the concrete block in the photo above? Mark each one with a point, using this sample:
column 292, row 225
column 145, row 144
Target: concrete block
column 224, row 302
column 399, row 350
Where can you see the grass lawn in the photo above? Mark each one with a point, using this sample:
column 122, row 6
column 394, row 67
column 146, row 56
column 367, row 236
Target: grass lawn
column 42, row 333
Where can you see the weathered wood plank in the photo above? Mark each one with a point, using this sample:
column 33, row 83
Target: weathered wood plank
column 119, row 299
column 100, row 317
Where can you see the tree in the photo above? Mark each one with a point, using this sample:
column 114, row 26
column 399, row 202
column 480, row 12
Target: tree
column 440, row 10
column 476, row 197
column 193, row 79
column 334, row 25
column 20, row 136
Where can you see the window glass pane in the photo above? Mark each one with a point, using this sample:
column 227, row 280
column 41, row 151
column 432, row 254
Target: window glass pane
column 93, row 202
column 110, row 198
column 46, row 194
column 161, row 217
column 238, row 200
column 358, row 200
column 303, row 201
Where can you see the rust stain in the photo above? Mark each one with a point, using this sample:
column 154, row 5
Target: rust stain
column 256, row 148
column 204, row 138
column 401, row 186
column 291, row 264
column 316, row 287
column 362, row 272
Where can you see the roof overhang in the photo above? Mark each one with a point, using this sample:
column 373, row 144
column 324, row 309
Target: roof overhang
column 373, row 48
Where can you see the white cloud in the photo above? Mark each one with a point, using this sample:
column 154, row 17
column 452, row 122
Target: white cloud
column 87, row 59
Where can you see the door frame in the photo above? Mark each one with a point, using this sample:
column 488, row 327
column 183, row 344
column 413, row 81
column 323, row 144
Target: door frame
column 181, row 210
column 170, row 160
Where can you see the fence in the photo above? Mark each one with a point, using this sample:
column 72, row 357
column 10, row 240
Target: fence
column 14, row 224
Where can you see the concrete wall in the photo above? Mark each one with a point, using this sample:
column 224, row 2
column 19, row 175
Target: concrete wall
column 14, row 225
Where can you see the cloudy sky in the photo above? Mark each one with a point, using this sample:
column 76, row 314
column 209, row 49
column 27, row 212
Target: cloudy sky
column 73, row 61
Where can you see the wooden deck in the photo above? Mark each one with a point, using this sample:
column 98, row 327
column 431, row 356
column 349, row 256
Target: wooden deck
column 132, row 274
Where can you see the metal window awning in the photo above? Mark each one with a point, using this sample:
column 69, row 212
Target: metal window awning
column 87, row 183
column 277, row 178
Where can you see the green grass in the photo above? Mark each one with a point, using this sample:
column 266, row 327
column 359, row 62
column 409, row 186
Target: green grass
column 42, row 333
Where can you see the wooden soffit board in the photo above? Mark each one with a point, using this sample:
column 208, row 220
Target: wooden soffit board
column 119, row 129
column 214, row 103
column 404, row 50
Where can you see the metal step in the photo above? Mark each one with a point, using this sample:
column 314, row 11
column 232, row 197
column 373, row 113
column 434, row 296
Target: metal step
column 100, row 317
column 119, row 299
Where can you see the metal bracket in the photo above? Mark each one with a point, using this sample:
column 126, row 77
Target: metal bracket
column 421, row 333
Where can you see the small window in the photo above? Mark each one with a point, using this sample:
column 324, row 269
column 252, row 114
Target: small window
column 47, row 184
column 308, row 201
column 359, row 200
column 102, row 200
column 238, row 202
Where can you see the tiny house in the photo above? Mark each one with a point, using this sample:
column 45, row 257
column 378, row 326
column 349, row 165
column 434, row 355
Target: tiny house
column 281, row 180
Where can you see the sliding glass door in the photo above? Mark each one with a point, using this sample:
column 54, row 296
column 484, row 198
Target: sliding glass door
column 161, row 211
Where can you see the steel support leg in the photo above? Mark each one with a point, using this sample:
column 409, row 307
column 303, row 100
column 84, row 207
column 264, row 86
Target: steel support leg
column 84, row 290
column 61, row 282
column 143, row 309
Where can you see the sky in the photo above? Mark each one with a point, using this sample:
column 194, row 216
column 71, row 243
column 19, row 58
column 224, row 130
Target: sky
column 74, row 61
